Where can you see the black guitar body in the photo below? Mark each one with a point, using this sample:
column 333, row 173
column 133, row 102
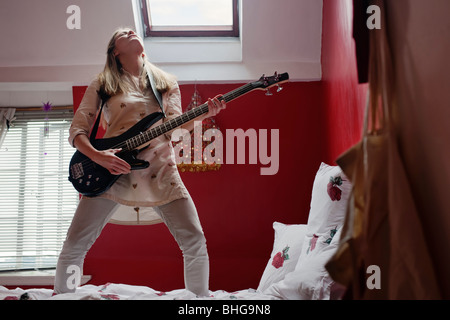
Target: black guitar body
column 91, row 179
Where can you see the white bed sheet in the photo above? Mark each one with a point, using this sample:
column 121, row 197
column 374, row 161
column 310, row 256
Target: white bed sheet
column 113, row 291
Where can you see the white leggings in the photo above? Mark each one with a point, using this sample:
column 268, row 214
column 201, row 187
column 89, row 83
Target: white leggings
column 92, row 214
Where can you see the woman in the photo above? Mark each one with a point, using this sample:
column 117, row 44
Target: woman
column 137, row 195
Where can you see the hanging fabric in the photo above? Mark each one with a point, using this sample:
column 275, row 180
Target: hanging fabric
column 382, row 227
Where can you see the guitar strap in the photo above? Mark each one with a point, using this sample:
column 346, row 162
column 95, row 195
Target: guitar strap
column 104, row 97
column 157, row 94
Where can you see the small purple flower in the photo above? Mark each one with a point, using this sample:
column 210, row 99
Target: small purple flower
column 47, row 106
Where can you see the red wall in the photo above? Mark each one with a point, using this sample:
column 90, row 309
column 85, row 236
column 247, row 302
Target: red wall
column 237, row 206
column 344, row 98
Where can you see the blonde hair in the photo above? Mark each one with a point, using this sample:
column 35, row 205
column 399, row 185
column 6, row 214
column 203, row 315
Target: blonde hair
column 110, row 79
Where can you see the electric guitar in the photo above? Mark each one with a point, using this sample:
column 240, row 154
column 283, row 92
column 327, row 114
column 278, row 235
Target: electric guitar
column 91, row 179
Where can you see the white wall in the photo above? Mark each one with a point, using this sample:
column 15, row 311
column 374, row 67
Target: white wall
column 283, row 35
column 40, row 59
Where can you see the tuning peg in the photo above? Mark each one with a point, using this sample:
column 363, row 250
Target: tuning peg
column 268, row 93
column 279, row 88
column 276, row 76
column 265, row 80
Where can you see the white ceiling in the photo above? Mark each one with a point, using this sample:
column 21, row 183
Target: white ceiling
column 41, row 59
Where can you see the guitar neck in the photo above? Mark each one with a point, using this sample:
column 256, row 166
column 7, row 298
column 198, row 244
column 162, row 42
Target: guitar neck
column 190, row 115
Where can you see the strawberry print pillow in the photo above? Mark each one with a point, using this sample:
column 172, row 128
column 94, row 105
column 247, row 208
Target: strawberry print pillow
column 331, row 190
column 288, row 243
column 309, row 280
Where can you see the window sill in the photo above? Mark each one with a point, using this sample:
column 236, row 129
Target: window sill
column 33, row 278
column 193, row 50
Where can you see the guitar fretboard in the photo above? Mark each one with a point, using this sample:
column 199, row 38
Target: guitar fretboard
column 174, row 123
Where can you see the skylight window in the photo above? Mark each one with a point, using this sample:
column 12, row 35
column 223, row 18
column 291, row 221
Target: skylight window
column 191, row 18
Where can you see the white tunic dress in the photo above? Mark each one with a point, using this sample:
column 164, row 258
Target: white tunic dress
column 140, row 190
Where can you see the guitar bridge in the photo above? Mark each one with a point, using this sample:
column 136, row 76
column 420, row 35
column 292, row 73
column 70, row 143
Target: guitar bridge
column 77, row 170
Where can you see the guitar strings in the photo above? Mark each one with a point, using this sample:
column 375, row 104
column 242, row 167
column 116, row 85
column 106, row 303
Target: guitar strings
column 173, row 123
column 134, row 142
column 88, row 163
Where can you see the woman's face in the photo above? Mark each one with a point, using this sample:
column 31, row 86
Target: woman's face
column 128, row 42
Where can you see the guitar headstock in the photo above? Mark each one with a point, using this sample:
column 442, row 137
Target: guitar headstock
column 265, row 83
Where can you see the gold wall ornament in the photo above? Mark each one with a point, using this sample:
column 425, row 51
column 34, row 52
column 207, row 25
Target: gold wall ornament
column 208, row 123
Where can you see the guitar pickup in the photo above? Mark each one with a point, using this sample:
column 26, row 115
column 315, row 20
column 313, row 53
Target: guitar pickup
column 77, row 170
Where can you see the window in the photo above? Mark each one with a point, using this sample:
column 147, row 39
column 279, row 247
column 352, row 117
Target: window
column 193, row 18
column 37, row 202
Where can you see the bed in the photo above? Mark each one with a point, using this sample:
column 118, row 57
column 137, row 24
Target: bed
column 294, row 271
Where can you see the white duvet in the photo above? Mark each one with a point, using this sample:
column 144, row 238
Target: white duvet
column 112, row 291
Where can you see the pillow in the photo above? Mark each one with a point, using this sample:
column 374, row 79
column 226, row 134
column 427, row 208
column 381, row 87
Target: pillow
column 309, row 280
column 329, row 199
column 287, row 246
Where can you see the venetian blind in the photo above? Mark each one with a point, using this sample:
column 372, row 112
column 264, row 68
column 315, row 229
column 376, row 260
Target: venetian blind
column 37, row 202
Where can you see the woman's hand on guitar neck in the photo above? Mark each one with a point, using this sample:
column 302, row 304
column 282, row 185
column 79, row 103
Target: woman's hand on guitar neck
column 214, row 106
